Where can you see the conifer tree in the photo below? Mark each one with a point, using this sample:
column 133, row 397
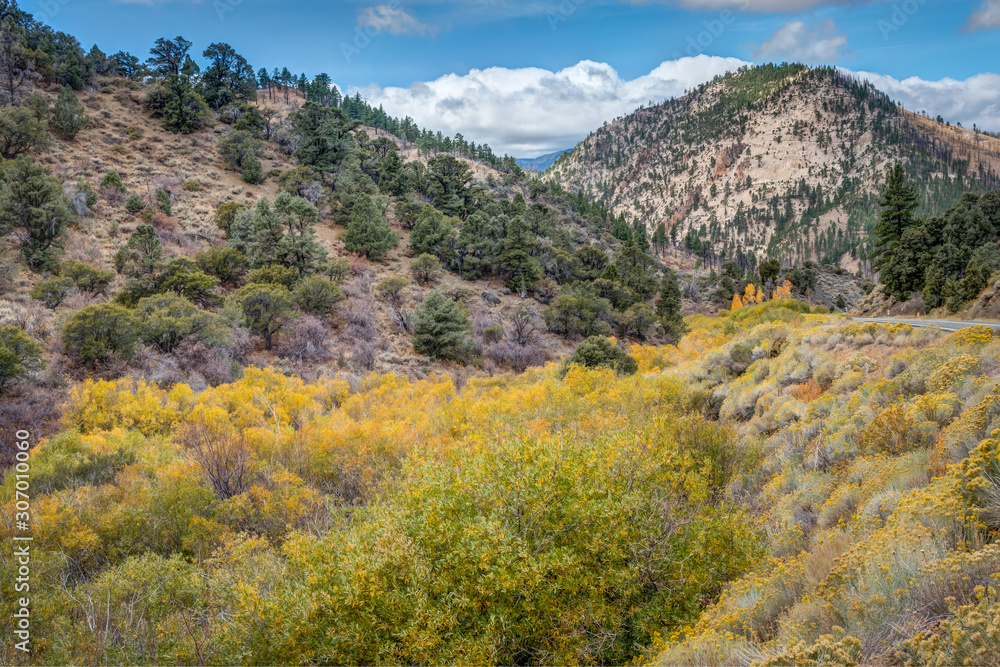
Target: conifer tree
column 898, row 203
column 68, row 118
column 669, row 306
column 368, row 232
column 32, row 200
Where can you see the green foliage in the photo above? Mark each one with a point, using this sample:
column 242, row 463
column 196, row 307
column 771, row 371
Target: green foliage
column 167, row 320
column 86, row 278
column 440, row 328
column 100, row 333
column 253, row 170
column 274, row 274
column 32, row 200
column 324, row 137
column 20, row 132
column 113, row 179
column 18, row 355
column 317, row 296
column 226, row 214
column 264, row 309
column 898, row 203
column 141, row 255
column 769, row 270
column 368, row 233
column 517, row 264
column 134, row 203
column 600, row 352
column 227, row 264
column 68, row 117
column 668, row 308
column 425, row 269
column 163, row 201
column 53, row 291
column 433, row 234
column 581, row 311
column 280, row 234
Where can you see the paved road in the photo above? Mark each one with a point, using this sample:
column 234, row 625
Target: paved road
column 946, row 325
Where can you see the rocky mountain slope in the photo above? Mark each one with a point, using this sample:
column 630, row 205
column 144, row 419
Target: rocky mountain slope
column 778, row 160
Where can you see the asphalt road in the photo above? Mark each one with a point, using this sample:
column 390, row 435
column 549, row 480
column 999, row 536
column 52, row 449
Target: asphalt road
column 946, row 325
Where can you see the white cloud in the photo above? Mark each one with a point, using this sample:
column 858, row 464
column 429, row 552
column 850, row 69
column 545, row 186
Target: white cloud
column 987, row 18
column 531, row 111
column 394, row 19
column 974, row 100
column 799, row 41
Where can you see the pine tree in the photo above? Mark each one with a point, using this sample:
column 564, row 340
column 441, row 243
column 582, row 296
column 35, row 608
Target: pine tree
column 68, row 117
column 368, row 232
column 298, row 248
column 669, row 306
column 440, row 327
column 31, row 200
column 898, row 203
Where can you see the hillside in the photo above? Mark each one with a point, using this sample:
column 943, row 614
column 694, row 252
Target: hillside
column 540, row 163
column 782, row 161
column 782, row 487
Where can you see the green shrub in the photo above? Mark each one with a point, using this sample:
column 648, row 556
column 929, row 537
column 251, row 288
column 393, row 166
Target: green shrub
column 53, row 291
column 274, row 274
column 317, row 296
column 368, row 233
column 163, row 201
column 20, row 132
column 68, row 117
column 225, row 215
column 598, row 351
column 167, row 320
column 113, row 179
column 425, row 269
column 86, row 277
column 440, row 326
column 253, row 171
column 134, row 203
column 100, row 333
column 225, row 263
column 264, row 308
column 18, row 354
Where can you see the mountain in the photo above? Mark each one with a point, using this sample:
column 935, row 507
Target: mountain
column 782, row 160
column 540, row 163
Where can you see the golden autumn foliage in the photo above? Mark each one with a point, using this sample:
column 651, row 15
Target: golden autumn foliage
column 782, row 487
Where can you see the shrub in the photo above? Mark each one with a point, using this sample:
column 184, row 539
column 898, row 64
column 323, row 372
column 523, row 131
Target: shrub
column 265, row 310
column 113, row 180
column 425, row 269
column 167, row 320
column 317, row 296
column 253, row 171
column 68, row 117
column 99, row 333
column 53, row 291
column 440, row 326
column 238, row 148
column 18, row 354
column 600, row 352
column 134, row 203
column 225, row 263
column 20, row 132
column 163, row 201
column 274, row 274
column 87, row 278
column 32, row 200
column 225, row 215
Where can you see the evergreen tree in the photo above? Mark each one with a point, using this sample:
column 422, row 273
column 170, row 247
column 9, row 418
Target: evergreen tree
column 620, row 230
column 265, row 310
column 142, row 255
column 433, row 234
column 298, row 248
column 32, row 201
column 898, row 203
column 660, row 237
column 640, row 237
column 256, row 233
column 439, row 328
column 68, row 117
column 99, row 333
column 668, row 308
column 324, row 137
column 517, row 264
column 368, row 232
column 635, row 271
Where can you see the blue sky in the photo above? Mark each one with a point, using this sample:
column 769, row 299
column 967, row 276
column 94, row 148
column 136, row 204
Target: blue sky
column 418, row 56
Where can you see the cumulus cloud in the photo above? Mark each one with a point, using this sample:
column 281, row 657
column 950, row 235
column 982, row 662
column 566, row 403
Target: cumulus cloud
column 974, row 100
column 987, row 18
column 532, row 111
column 393, row 19
column 799, row 41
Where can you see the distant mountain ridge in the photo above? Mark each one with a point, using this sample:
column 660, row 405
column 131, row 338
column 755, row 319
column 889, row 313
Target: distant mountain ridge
column 540, row 163
column 786, row 161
